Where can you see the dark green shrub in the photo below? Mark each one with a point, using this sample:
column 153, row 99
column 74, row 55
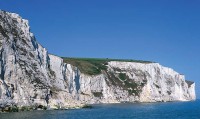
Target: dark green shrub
column 97, row 94
column 122, row 76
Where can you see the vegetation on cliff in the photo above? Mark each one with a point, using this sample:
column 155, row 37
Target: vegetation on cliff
column 94, row 66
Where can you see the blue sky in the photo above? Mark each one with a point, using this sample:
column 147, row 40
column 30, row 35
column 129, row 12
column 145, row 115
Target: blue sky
column 164, row 31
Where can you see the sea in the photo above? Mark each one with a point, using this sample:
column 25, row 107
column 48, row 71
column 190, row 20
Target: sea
column 168, row 110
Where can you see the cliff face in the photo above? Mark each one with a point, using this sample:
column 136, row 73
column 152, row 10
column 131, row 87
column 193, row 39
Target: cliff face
column 30, row 76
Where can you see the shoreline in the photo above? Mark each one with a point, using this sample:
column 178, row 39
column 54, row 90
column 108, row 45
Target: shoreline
column 11, row 109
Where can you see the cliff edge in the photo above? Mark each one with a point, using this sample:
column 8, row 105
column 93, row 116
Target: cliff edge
column 31, row 76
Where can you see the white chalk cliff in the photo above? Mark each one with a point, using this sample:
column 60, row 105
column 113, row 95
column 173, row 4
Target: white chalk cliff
column 29, row 75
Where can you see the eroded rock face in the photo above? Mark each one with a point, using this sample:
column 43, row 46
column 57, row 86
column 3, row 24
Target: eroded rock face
column 158, row 83
column 30, row 76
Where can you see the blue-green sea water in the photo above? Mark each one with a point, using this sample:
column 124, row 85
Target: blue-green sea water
column 172, row 110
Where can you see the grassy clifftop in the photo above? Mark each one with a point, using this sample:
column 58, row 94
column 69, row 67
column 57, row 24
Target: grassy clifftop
column 94, row 66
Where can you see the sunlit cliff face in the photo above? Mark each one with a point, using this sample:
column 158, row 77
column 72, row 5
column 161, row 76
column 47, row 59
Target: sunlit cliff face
column 30, row 76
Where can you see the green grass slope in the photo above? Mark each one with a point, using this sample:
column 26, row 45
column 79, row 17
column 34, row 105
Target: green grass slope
column 94, row 66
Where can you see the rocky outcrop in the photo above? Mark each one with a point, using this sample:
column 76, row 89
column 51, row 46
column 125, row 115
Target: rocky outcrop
column 29, row 75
